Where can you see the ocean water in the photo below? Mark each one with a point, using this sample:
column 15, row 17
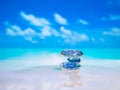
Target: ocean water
column 7, row 53
column 23, row 58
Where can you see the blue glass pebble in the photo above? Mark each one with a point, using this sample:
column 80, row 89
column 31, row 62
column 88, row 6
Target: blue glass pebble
column 69, row 65
column 71, row 53
column 73, row 59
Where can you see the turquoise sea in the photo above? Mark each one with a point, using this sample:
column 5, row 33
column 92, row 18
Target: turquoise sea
column 102, row 53
column 20, row 58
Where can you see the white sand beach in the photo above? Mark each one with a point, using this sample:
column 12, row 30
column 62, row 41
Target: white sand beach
column 30, row 73
column 88, row 77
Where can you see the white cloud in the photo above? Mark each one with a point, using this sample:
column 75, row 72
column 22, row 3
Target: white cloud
column 59, row 19
column 14, row 30
column 34, row 20
column 48, row 31
column 65, row 31
column 113, row 32
column 54, row 32
column 111, row 17
column 27, row 34
column 45, row 32
column 72, row 37
column 11, row 32
column 83, row 22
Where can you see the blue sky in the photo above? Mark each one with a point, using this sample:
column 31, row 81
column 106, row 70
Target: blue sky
column 60, row 23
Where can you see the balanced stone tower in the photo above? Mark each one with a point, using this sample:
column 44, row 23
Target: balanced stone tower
column 73, row 59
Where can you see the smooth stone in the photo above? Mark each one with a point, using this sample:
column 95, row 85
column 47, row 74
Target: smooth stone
column 72, row 53
column 71, row 59
column 70, row 65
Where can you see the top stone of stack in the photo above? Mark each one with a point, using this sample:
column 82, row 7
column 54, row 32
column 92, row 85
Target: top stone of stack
column 72, row 53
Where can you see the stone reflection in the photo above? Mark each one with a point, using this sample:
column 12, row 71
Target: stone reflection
column 72, row 78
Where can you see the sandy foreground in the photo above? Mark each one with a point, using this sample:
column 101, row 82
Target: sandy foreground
column 88, row 77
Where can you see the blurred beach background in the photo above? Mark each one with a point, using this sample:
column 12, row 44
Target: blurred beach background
column 39, row 69
column 34, row 32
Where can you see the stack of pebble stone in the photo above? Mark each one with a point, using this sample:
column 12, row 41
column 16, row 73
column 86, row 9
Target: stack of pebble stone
column 73, row 59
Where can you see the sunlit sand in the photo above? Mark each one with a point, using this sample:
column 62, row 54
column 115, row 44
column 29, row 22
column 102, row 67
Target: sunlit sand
column 30, row 74
column 53, row 78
